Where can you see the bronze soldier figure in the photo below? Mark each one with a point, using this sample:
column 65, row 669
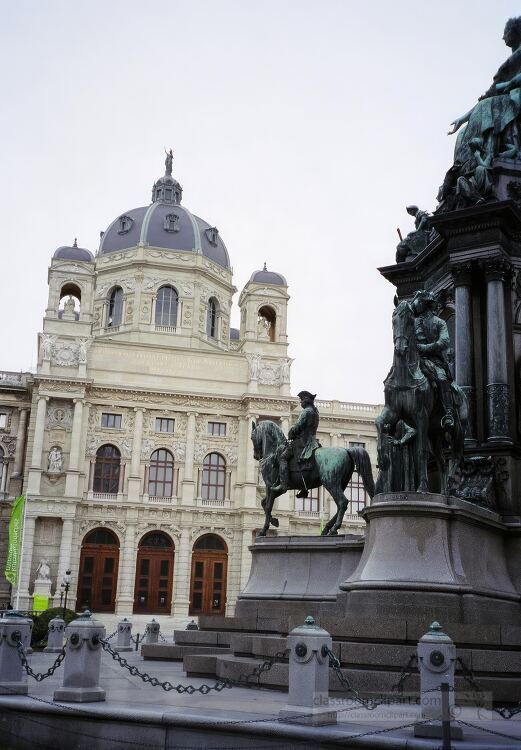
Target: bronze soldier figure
column 302, row 440
column 433, row 343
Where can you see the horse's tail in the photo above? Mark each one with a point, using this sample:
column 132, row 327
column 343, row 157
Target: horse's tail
column 363, row 466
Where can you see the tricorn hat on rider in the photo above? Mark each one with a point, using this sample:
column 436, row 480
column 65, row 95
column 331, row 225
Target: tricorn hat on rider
column 306, row 394
column 426, row 296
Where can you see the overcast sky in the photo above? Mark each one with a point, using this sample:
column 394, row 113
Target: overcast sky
column 300, row 129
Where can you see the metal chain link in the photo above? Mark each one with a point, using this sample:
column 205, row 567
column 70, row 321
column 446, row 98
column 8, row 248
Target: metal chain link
column 220, row 684
column 111, row 636
column 506, row 712
column 162, row 637
column 39, row 676
column 371, row 703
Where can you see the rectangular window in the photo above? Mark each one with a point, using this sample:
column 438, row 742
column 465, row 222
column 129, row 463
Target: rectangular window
column 356, row 494
column 3, row 421
column 354, row 444
column 111, row 420
column 165, row 424
column 217, row 428
column 309, row 504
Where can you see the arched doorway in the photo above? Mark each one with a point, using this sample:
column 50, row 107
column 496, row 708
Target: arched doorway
column 208, row 581
column 98, row 578
column 154, row 574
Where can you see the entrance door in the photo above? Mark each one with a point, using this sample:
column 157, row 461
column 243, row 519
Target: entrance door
column 98, row 576
column 154, row 574
column 208, row 580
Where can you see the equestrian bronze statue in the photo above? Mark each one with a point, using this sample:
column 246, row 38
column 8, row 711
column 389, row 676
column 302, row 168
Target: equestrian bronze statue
column 425, row 412
column 300, row 463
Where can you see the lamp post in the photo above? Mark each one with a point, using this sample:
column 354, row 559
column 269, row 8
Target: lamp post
column 66, row 585
column 61, row 594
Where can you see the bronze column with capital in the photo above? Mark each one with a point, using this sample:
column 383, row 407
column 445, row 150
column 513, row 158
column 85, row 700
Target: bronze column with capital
column 464, row 370
column 497, row 270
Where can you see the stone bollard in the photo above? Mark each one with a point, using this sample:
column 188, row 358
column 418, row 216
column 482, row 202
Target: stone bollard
column 124, row 634
column 13, row 677
column 308, row 698
column 436, row 661
column 82, row 661
column 152, row 634
column 192, row 625
column 55, row 635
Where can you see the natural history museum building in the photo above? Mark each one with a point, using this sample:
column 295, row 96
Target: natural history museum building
column 131, row 442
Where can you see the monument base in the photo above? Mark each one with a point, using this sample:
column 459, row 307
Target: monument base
column 426, row 557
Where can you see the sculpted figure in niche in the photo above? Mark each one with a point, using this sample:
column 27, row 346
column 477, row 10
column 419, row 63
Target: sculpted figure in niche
column 43, row 571
column 55, row 463
column 69, row 307
column 263, row 328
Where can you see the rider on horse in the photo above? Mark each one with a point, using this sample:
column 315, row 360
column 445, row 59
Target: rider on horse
column 302, row 441
column 433, row 343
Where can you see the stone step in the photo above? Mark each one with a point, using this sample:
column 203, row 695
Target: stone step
column 202, row 637
column 368, row 682
column 173, row 652
column 196, row 665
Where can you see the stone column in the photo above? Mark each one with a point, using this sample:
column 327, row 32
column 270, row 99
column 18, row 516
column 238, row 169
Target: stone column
column 182, row 573
column 35, row 471
column 134, row 479
column 497, row 271
column 20, row 443
column 464, row 344
column 72, row 480
column 188, row 481
column 127, row 572
column 245, row 564
column 64, row 561
column 252, row 467
column 27, row 558
column 5, row 469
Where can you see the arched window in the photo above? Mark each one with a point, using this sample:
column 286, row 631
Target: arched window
column 214, row 477
column 106, row 470
column 115, row 311
column 166, row 306
column 211, row 318
column 70, row 302
column 101, row 536
column 161, row 474
column 210, row 542
column 266, row 323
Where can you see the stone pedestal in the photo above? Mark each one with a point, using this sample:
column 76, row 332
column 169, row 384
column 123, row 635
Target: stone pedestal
column 42, row 587
column 82, row 662
column 420, row 556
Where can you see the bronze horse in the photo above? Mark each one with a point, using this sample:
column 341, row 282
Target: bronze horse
column 333, row 468
column 411, row 398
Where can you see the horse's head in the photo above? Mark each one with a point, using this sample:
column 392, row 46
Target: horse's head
column 266, row 436
column 403, row 327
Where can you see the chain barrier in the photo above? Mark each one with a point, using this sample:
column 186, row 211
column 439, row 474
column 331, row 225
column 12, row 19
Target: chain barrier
column 220, row 684
column 485, row 729
column 111, row 636
column 162, row 637
column 506, row 712
column 371, row 703
column 39, row 676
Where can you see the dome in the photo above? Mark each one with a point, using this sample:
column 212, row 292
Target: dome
column 268, row 277
column 73, row 253
column 167, row 225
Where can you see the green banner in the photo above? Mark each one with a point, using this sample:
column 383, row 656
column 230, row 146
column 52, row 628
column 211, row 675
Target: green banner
column 40, row 603
column 15, row 541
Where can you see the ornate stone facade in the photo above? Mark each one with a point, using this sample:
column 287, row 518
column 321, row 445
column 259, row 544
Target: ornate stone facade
column 125, row 377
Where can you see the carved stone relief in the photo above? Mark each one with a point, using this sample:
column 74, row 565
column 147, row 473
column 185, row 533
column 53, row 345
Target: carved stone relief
column 59, row 416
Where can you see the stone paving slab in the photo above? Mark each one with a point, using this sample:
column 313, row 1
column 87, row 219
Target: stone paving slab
column 237, row 710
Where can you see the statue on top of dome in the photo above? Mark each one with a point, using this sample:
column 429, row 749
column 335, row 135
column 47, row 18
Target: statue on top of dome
column 168, row 162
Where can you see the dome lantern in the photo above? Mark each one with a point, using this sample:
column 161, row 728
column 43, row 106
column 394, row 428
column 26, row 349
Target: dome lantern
column 166, row 189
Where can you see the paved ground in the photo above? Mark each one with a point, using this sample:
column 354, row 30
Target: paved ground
column 126, row 692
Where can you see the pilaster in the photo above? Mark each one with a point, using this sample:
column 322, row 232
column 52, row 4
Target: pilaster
column 35, row 470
